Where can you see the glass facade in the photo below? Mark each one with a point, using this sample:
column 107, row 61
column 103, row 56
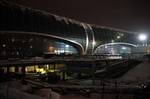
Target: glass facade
column 25, row 46
column 113, row 49
column 55, row 47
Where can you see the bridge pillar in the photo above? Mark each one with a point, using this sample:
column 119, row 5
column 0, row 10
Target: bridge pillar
column 16, row 69
column 63, row 75
column 8, row 69
column 23, row 71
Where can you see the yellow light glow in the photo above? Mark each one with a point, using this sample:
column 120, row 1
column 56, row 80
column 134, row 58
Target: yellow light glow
column 52, row 70
column 40, row 70
column 51, row 49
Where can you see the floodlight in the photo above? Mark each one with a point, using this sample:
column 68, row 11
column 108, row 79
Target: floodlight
column 142, row 37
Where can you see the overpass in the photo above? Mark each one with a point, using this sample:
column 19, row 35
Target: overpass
column 18, row 22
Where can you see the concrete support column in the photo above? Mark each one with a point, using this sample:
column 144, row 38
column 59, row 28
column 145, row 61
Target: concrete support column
column 16, row 69
column 23, row 71
column 63, row 75
column 34, row 69
column 8, row 69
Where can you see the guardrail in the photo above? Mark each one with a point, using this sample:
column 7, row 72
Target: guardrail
column 67, row 58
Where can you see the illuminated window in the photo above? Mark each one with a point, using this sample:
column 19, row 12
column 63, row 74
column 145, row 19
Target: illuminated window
column 51, row 49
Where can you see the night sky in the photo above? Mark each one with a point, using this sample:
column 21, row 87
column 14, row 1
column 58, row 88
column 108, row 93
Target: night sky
column 130, row 15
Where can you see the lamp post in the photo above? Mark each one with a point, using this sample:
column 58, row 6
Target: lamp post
column 143, row 38
column 93, row 46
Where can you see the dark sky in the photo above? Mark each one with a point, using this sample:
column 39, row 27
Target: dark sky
column 131, row 15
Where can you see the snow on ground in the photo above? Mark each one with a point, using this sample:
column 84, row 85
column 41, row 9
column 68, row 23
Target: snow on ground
column 139, row 73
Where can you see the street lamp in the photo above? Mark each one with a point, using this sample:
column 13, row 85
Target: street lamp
column 143, row 37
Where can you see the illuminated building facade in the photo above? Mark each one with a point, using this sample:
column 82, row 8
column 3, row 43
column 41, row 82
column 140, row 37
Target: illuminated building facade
column 26, row 32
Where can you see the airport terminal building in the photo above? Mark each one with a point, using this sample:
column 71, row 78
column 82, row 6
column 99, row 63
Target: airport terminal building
column 26, row 32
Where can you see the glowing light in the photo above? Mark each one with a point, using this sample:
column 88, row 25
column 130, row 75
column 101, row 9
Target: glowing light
column 51, row 49
column 4, row 45
column 93, row 43
column 17, row 53
column 118, row 37
column 122, row 34
column 112, row 41
column 124, row 48
column 66, row 46
column 31, row 46
column 31, row 39
column 40, row 70
column 51, row 70
column 12, row 39
column 142, row 37
column 59, row 51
